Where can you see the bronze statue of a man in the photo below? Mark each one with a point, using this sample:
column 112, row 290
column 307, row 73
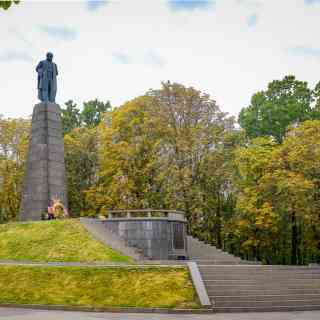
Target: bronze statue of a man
column 47, row 79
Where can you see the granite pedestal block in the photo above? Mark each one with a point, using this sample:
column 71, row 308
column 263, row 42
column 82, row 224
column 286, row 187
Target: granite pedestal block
column 154, row 237
column 45, row 169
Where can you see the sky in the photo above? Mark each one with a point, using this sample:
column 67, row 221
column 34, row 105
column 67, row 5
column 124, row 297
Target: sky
column 118, row 50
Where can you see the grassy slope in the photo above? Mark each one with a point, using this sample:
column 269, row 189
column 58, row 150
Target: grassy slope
column 97, row 287
column 58, row 240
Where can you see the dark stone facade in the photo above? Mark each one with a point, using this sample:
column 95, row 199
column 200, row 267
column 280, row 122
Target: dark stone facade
column 156, row 238
column 45, row 170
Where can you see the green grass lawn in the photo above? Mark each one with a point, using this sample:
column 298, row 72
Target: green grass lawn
column 55, row 240
column 165, row 287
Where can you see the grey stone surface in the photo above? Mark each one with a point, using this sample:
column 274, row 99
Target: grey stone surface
column 244, row 288
column 199, row 284
column 153, row 236
column 98, row 230
column 45, row 169
column 27, row 314
column 202, row 252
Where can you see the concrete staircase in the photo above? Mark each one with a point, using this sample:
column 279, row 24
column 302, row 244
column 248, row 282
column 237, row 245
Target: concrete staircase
column 238, row 288
column 203, row 253
column 235, row 285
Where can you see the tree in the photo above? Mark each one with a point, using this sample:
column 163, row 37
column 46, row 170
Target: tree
column 81, row 159
column 219, row 198
column 285, row 102
column 168, row 149
column 316, row 93
column 253, row 226
column 128, row 153
column 194, row 137
column 71, row 117
column 14, row 135
column 277, row 220
column 301, row 156
column 93, row 111
column 7, row 4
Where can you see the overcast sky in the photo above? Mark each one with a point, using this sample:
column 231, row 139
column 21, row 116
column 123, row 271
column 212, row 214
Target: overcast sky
column 117, row 50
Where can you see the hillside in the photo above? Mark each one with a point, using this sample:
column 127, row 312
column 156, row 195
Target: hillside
column 164, row 287
column 58, row 240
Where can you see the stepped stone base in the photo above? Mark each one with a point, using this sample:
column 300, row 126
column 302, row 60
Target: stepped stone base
column 249, row 288
column 203, row 253
column 45, row 170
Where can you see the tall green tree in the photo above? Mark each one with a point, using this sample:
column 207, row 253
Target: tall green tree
column 193, row 139
column 168, row 149
column 316, row 94
column 277, row 218
column 91, row 115
column 14, row 134
column 81, row 159
column 71, row 117
column 93, row 112
column 6, row 4
column 284, row 103
column 128, row 168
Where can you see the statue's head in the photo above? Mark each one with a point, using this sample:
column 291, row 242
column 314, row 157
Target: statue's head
column 49, row 56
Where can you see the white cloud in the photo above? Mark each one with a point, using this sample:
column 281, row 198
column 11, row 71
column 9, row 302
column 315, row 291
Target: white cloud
column 95, row 4
column 305, row 51
column 211, row 49
column 11, row 56
column 121, row 57
column 252, row 20
column 59, row 32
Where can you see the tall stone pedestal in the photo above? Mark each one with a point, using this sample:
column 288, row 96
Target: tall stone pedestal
column 45, row 171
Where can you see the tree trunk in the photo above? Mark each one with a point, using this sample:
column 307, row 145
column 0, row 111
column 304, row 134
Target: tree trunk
column 218, row 227
column 294, row 239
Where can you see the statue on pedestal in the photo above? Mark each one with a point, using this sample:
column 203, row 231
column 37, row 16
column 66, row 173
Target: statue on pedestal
column 47, row 79
column 44, row 179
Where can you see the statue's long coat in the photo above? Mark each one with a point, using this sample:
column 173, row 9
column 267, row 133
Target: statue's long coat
column 43, row 81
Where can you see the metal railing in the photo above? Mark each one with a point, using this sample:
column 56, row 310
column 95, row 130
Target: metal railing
column 145, row 213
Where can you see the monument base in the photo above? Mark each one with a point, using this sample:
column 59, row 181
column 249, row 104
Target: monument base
column 45, row 169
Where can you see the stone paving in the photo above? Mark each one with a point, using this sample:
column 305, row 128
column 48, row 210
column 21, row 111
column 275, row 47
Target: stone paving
column 26, row 314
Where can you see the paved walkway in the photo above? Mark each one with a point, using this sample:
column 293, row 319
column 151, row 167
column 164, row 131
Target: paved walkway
column 25, row 314
column 143, row 263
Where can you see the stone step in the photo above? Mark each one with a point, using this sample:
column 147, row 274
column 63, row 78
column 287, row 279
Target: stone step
column 272, row 267
column 262, row 282
column 261, row 286
column 205, row 248
column 245, row 304
column 258, row 275
column 225, row 277
column 216, row 262
column 200, row 245
column 199, row 250
column 254, row 275
column 267, row 309
column 273, row 297
column 245, row 292
column 256, row 269
column 239, row 287
column 208, row 255
column 214, row 256
column 205, row 260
